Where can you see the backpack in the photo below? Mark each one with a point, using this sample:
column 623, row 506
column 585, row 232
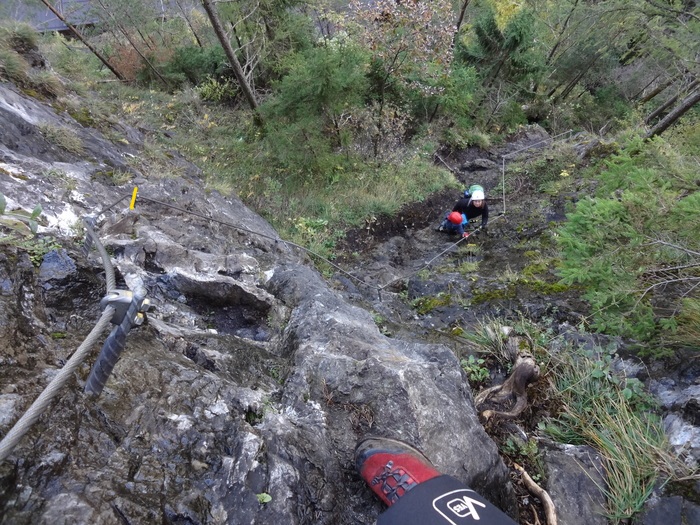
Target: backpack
column 472, row 189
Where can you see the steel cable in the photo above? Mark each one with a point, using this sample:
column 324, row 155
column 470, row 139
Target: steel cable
column 22, row 426
column 39, row 406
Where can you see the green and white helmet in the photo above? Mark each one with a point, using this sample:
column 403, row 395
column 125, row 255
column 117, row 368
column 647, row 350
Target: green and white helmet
column 469, row 194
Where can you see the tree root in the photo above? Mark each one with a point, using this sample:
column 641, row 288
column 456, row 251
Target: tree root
column 540, row 493
column 512, row 392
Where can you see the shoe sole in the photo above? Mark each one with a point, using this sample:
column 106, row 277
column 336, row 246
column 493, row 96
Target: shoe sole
column 398, row 443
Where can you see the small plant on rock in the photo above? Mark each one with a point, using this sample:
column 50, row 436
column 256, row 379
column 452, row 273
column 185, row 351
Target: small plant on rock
column 19, row 221
column 475, row 369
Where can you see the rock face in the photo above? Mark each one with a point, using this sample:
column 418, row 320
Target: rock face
column 574, row 475
column 250, row 377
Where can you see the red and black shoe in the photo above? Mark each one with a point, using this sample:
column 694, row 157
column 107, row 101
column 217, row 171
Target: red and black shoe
column 391, row 467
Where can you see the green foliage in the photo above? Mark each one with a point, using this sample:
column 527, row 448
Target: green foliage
column 192, row 64
column 309, row 116
column 525, row 453
column 219, row 91
column 475, row 369
column 22, row 234
column 36, row 247
column 263, row 498
column 506, row 53
column 618, row 243
column 19, row 220
column 324, row 80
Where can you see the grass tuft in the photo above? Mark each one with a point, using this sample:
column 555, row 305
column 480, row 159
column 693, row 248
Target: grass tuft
column 63, row 138
column 615, row 416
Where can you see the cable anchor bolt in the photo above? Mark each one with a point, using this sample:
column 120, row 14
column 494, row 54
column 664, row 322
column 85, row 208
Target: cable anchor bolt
column 121, row 301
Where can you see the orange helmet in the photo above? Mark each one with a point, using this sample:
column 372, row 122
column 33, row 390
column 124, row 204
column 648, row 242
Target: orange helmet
column 455, row 217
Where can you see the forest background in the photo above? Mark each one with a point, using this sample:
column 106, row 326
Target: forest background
column 321, row 115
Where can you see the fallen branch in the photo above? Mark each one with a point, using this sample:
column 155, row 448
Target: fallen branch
column 540, row 493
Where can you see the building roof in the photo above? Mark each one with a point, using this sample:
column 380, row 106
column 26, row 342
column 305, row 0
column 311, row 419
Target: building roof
column 76, row 12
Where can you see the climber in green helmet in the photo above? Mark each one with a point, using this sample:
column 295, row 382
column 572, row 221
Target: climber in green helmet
column 470, row 206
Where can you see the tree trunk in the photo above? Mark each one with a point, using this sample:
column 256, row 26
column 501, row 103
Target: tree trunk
column 189, row 24
column 80, row 37
column 669, row 103
column 462, row 11
column 133, row 44
column 674, row 115
column 230, row 54
column 658, row 89
column 560, row 37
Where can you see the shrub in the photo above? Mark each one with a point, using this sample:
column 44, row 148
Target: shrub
column 633, row 245
column 13, row 67
column 195, row 65
column 219, row 91
column 20, row 37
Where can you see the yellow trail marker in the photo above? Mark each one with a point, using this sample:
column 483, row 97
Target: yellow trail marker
column 133, row 198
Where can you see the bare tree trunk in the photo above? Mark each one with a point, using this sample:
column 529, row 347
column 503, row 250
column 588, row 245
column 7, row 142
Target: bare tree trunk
column 674, row 115
column 560, row 38
column 189, row 23
column 230, row 54
column 84, row 40
column 465, row 4
column 133, row 44
column 658, row 89
column 669, row 103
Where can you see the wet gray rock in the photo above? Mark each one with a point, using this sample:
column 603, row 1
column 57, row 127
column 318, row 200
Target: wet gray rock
column 667, row 510
column 573, row 477
column 56, row 266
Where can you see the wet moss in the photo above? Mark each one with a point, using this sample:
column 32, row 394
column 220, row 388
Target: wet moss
column 546, row 288
column 82, row 116
column 424, row 305
column 531, row 270
column 493, row 295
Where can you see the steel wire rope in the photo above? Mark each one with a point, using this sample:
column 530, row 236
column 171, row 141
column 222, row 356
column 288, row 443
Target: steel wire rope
column 22, row 426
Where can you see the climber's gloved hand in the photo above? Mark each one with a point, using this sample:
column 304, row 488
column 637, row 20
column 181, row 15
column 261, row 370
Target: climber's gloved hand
column 465, row 234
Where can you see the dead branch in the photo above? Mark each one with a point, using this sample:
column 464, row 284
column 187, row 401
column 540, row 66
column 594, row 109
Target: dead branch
column 668, row 281
column 540, row 493
column 681, row 248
